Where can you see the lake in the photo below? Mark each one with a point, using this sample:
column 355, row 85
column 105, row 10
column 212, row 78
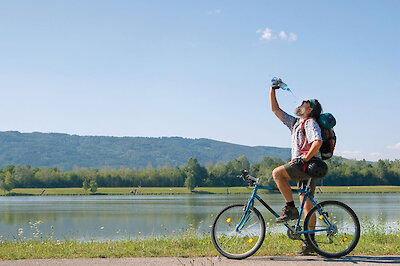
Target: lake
column 100, row 218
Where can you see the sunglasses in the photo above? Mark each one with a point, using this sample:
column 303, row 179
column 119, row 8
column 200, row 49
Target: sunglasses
column 311, row 102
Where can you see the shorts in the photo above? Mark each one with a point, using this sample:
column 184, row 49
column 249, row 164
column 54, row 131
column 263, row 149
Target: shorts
column 300, row 177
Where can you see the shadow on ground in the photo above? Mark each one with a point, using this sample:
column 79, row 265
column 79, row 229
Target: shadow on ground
column 349, row 259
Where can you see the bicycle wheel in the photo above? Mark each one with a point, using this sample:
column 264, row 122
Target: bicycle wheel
column 339, row 225
column 238, row 243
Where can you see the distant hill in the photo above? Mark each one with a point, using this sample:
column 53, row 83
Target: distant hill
column 67, row 151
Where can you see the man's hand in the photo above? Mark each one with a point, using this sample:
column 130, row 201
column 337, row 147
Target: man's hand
column 300, row 163
column 275, row 87
column 313, row 150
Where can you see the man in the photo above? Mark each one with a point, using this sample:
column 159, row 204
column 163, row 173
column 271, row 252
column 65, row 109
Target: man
column 306, row 141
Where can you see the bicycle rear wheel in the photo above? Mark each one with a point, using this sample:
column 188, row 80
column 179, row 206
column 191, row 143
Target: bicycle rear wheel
column 339, row 225
column 237, row 234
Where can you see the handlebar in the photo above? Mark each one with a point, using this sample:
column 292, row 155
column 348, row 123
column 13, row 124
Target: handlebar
column 248, row 178
column 253, row 180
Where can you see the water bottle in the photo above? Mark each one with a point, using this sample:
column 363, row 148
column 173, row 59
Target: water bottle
column 280, row 83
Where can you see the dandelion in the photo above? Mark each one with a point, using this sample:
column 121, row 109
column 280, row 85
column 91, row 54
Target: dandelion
column 101, row 228
column 20, row 231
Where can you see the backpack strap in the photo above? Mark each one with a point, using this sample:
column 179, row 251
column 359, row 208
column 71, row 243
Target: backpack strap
column 302, row 151
column 302, row 124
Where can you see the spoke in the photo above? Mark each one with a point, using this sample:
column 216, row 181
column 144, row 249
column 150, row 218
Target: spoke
column 250, row 226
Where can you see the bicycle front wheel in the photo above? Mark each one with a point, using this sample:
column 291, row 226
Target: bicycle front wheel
column 337, row 229
column 237, row 234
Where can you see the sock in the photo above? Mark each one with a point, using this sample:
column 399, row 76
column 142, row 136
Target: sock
column 291, row 204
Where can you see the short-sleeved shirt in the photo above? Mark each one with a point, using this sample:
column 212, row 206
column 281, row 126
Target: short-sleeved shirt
column 312, row 129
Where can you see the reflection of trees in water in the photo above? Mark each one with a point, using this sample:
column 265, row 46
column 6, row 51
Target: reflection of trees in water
column 11, row 217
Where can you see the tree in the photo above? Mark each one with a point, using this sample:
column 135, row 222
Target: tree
column 190, row 181
column 23, row 176
column 85, row 184
column 240, row 163
column 93, row 186
column 8, row 183
column 198, row 172
column 381, row 169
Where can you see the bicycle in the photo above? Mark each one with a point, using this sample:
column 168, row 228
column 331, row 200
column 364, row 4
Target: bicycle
column 238, row 230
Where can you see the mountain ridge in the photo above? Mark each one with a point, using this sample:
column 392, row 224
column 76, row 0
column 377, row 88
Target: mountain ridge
column 66, row 151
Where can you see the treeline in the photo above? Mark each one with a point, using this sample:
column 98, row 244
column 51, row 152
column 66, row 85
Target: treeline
column 192, row 174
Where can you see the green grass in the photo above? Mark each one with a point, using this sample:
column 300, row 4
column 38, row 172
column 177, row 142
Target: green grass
column 187, row 245
column 376, row 239
column 182, row 190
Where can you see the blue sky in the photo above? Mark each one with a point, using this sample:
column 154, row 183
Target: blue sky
column 200, row 69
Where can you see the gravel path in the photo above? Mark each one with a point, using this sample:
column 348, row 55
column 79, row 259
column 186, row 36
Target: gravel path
column 166, row 261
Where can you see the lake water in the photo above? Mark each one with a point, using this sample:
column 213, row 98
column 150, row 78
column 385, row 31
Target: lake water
column 100, row 218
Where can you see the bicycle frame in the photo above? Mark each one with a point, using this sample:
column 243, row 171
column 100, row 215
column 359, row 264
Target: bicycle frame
column 307, row 194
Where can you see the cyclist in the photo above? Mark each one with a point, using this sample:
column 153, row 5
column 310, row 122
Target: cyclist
column 306, row 141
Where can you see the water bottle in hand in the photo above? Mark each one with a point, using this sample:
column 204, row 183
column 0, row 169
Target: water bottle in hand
column 278, row 81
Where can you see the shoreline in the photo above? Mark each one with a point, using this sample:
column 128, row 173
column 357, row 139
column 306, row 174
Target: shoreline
column 184, row 191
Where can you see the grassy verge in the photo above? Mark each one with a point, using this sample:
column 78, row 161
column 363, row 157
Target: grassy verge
column 376, row 239
column 188, row 245
column 182, row 190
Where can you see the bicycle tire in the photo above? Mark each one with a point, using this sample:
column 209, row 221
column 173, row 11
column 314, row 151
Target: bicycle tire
column 226, row 222
column 346, row 232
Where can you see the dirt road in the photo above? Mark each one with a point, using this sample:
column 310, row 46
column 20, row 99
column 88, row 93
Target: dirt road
column 217, row 261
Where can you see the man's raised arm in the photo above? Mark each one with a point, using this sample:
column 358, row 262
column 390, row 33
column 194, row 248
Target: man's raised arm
column 274, row 104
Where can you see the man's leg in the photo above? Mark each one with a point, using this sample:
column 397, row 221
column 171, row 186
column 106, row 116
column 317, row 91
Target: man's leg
column 281, row 178
column 307, row 208
column 306, row 250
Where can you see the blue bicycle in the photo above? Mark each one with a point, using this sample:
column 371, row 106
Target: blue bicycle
column 331, row 228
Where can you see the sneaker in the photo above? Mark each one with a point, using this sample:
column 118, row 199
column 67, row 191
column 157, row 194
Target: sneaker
column 289, row 213
column 305, row 250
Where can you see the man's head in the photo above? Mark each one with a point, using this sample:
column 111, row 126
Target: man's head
column 310, row 108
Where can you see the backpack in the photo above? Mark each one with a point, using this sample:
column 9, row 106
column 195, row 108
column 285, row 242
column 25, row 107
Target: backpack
column 326, row 122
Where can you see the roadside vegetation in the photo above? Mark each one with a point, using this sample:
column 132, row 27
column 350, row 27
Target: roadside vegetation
column 191, row 175
column 375, row 240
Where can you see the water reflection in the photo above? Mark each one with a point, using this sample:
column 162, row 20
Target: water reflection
column 120, row 217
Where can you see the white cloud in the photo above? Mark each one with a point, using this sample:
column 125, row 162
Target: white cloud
column 394, row 147
column 292, row 37
column 351, row 154
column 283, row 35
column 359, row 155
column 375, row 154
column 267, row 34
column 214, row 12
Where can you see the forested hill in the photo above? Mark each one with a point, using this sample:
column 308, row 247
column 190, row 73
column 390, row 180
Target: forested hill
column 67, row 151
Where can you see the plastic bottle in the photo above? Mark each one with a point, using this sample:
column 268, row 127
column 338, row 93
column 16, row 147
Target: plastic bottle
column 278, row 81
